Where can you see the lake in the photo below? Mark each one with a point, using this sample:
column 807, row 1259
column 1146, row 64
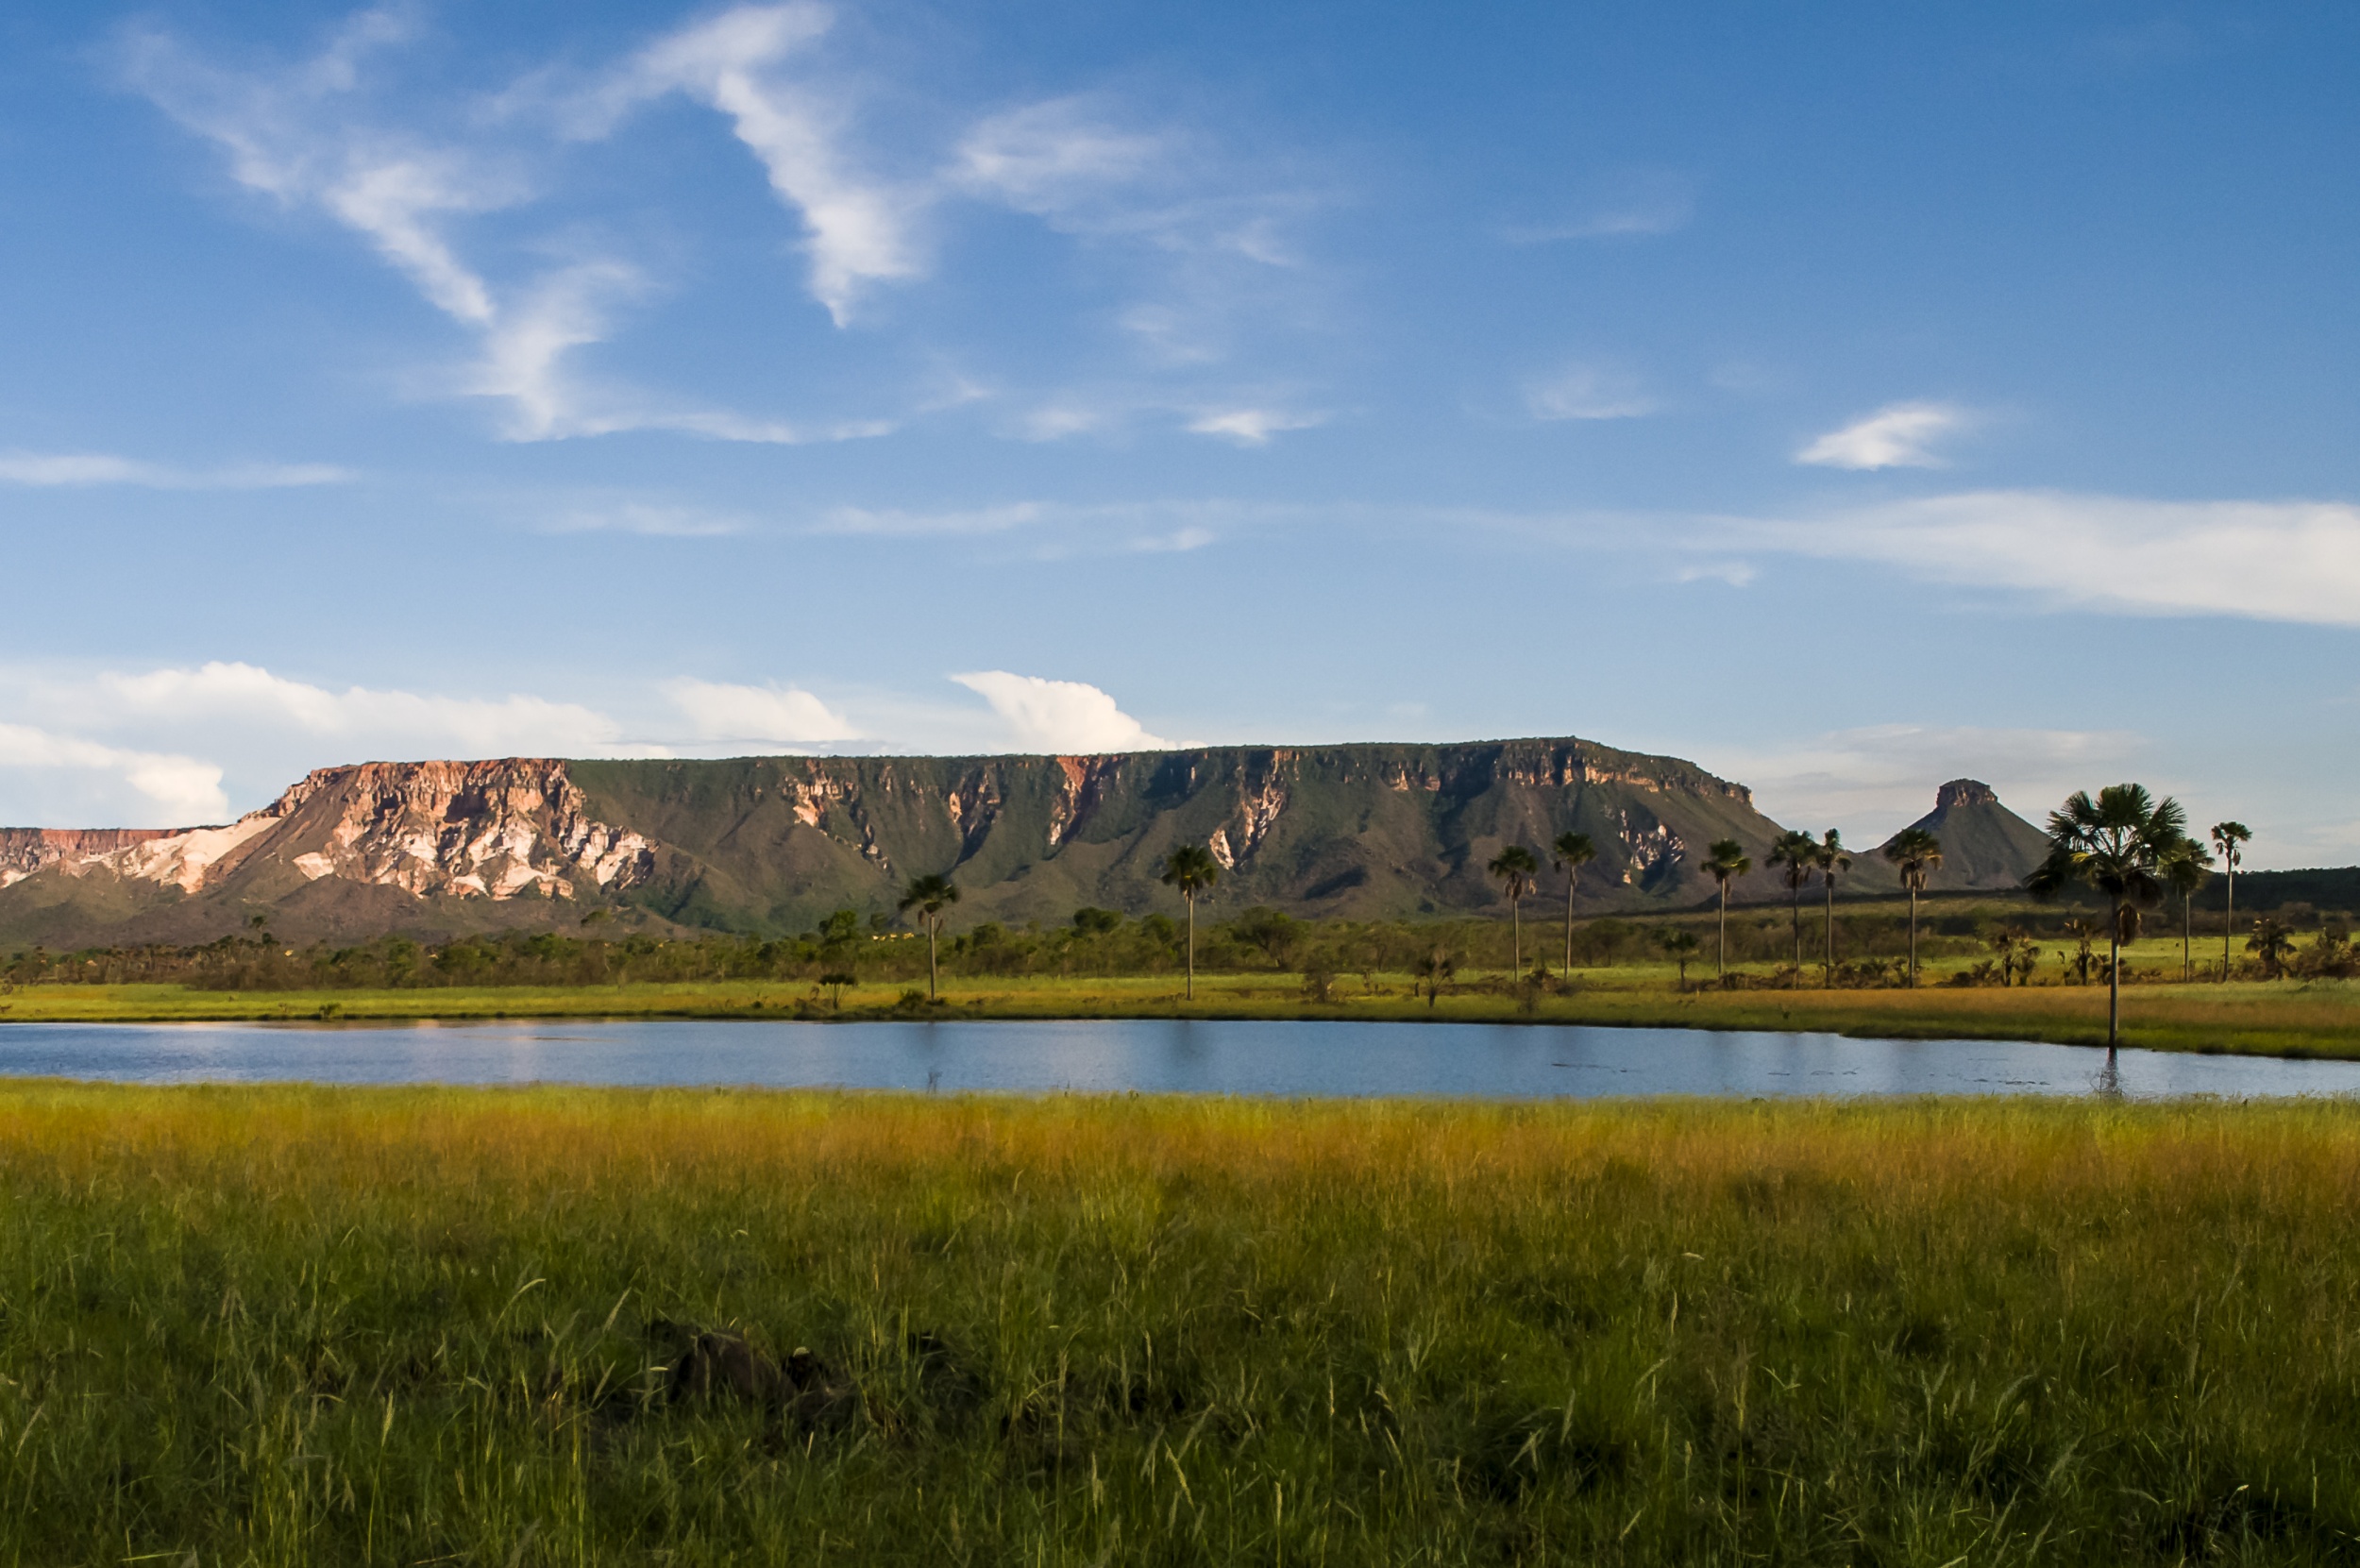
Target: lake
column 1156, row 1057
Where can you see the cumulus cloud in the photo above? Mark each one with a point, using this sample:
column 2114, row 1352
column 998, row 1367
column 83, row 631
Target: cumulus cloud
column 1899, row 436
column 235, row 693
column 2290, row 561
column 1066, row 716
column 1587, row 392
column 177, row 791
column 757, row 715
column 59, row 470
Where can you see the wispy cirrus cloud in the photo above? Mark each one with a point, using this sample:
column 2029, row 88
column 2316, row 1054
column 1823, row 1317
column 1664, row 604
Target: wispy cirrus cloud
column 2287, row 561
column 1899, row 436
column 1588, row 392
column 440, row 188
column 75, row 470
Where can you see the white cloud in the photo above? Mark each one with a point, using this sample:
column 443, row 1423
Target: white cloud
column 1065, row 717
column 1252, row 427
column 763, row 715
column 1055, row 160
column 1587, row 392
column 860, row 230
column 305, row 136
column 224, row 692
column 80, row 469
column 1875, row 779
column 2292, row 561
column 1896, row 436
column 178, row 792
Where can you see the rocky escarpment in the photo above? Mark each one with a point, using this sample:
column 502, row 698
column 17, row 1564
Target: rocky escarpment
column 772, row 843
column 1359, row 830
column 493, row 831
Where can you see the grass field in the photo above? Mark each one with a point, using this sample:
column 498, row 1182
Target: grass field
column 2289, row 1018
column 282, row 1327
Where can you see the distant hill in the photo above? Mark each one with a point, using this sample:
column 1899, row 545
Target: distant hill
column 771, row 844
column 1985, row 847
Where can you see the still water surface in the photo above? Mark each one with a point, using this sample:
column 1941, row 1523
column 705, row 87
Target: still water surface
column 1486, row 1061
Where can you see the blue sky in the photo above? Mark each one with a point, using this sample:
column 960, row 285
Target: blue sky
column 1848, row 397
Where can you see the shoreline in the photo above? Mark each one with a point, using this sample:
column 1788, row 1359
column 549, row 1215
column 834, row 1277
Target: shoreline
column 2298, row 1021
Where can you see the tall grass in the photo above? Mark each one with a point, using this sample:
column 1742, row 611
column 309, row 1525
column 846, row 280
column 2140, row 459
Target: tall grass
column 289, row 1325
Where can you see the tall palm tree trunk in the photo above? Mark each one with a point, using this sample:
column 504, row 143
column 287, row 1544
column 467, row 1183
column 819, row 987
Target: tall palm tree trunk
column 1190, row 900
column 934, row 971
column 2228, row 919
column 1571, row 878
column 1795, row 918
column 1721, row 952
column 1912, row 938
column 1516, row 939
column 1827, row 970
column 2187, row 928
column 2114, row 978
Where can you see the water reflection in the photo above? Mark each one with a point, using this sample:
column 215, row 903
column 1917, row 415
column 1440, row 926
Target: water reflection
column 1287, row 1060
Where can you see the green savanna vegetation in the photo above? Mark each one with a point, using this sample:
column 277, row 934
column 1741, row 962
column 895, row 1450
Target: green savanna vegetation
column 1260, row 963
column 297, row 1326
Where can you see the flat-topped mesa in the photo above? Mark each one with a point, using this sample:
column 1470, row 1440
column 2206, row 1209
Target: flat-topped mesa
column 767, row 844
column 1965, row 792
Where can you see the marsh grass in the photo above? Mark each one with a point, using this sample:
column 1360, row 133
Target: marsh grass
column 293, row 1325
column 2295, row 1018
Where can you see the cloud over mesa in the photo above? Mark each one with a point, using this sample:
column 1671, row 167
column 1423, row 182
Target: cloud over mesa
column 1065, row 717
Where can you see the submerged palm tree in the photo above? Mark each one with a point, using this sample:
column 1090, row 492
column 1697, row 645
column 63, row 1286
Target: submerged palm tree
column 2186, row 867
column 1796, row 854
column 1192, row 869
column 1917, row 854
column 2118, row 844
column 930, row 897
column 1572, row 851
column 1516, row 870
column 2227, row 836
column 1725, row 859
column 1832, row 860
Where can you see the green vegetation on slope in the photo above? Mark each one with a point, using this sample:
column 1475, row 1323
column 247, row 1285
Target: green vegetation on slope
column 297, row 1327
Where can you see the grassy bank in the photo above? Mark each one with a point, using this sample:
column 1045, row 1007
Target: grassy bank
column 283, row 1326
column 2291, row 1018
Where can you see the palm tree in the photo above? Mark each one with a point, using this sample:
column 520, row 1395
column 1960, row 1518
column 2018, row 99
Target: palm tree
column 930, row 897
column 1727, row 859
column 2117, row 843
column 1916, row 853
column 1679, row 946
column 1516, row 870
column 1573, row 850
column 2186, row 867
column 2273, row 944
column 2227, row 836
column 1796, row 853
column 1832, row 860
column 1192, row 869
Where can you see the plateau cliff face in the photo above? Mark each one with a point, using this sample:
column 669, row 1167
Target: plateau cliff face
column 772, row 843
column 442, row 831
